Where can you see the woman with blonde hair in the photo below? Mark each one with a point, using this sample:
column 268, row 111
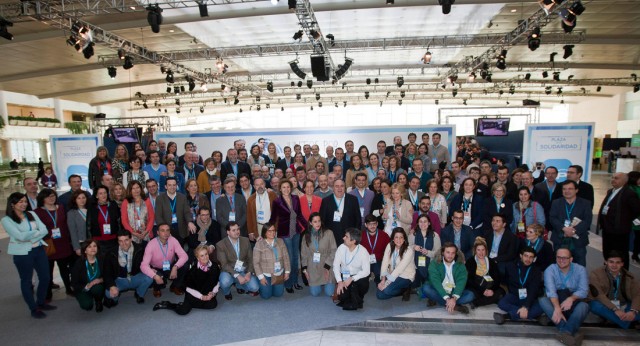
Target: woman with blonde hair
column 398, row 212
column 483, row 277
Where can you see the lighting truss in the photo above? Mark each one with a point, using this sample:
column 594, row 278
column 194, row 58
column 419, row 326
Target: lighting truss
column 308, row 22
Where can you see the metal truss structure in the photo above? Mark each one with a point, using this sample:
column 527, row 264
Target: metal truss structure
column 159, row 123
column 309, row 23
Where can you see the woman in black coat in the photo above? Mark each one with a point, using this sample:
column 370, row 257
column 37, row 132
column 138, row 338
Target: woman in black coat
column 483, row 277
column 497, row 203
column 534, row 237
column 86, row 277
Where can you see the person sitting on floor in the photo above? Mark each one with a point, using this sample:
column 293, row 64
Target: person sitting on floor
column 159, row 262
column 202, row 285
column 447, row 280
column 524, row 282
column 122, row 271
column 483, row 278
column 236, row 263
column 351, row 269
column 86, row 277
column 271, row 262
column 614, row 292
column 398, row 270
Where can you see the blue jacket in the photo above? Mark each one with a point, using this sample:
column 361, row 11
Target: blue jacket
column 22, row 235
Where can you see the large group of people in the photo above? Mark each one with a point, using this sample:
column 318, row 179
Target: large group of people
column 461, row 234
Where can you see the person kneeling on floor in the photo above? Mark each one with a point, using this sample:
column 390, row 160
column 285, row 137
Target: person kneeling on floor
column 614, row 292
column 202, row 285
column 160, row 264
column 122, row 271
column 398, row 270
column 351, row 269
column 447, row 280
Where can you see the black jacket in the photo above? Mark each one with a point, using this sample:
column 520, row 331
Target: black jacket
column 93, row 229
column 533, row 284
column 112, row 269
column 508, row 249
column 79, row 276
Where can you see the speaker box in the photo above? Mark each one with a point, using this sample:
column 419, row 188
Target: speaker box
column 100, row 116
column 318, row 68
column 528, row 102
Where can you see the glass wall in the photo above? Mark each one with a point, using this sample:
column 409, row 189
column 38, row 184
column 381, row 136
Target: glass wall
column 25, row 150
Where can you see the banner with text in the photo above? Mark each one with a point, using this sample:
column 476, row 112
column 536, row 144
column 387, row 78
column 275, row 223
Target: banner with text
column 560, row 145
column 71, row 155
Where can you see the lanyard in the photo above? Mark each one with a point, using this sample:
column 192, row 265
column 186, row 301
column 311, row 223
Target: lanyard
column 273, row 247
column 374, row 242
column 448, row 195
column 498, row 203
column 172, row 204
column 338, row 204
column 617, row 288
column 95, row 272
column 33, row 202
column 395, row 211
column 137, row 210
column 551, row 191
column 315, row 237
column 394, row 258
column 392, row 176
column 360, row 198
column 190, row 172
column 236, row 247
column 466, row 203
column 414, row 199
column 569, row 211
column 259, row 201
column 153, row 202
column 526, row 276
column 84, row 216
column 535, row 246
column 54, row 217
column 164, row 253
column 566, row 279
column 354, row 256
column 105, row 216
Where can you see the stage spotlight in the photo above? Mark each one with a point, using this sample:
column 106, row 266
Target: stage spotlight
column 319, row 104
column 154, row 17
column 344, row 67
column 437, row 102
column 368, row 81
column 298, row 96
column 331, row 39
column 294, row 67
column 292, row 6
column 88, row 50
column 298, row 35
column 202, row 108
column 314, row 33
column 552, row 56
column 344, row 104
column 182, row 88
column 336, row 104
column 128, row 62
column 534, row 39
column 527, row 76
column 464, row 102
column 446, row 5
column 489, row 77
column 636, row 88
column 145, row 105
column 235, row 101
column 3, row 29
column 169, row 77
column 121, row 54
column 168, row 89
column 568, row 16
column 204, row 87
column 556, row 76
column 309, row 84
column 501, row 63
column 204, row 11
column 376, row 81
column 400, row 81
column 176, row 90
column 390, row 2
column 454, row 92
column 366, row 95
column 426, row 58
column 178, row 102
column 570, row 77
column 299, row 84
column 317, row 96
column 545, row 74
column 559, row 90
column 547, row 90
column 402, row 94
column 270, row 86
column 399, row 102
column 568, row 51
column 472, row 77
column 599, row 88
column 112, row 71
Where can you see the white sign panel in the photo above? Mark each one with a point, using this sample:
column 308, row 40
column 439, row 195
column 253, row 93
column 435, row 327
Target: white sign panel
column 71, row 155
column 560, row 145
column 208, row 141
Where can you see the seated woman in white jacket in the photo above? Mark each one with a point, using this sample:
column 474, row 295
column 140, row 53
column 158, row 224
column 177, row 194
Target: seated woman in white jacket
column 398, row 268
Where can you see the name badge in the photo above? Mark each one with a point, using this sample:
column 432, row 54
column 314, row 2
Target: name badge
column 239, row 266
column 55, row 233
column 260, row 216
column 488, row 278
column 422, row 261
column 232, row 216
column 636, row 222
column 138, row 223
column 336, row 216
column 521, row 227
column 522, row 293
column 362, row 212
column 174, row 218
column 166, row 265
column 106, row 229
column 394, row 224
column 277, row 267
column 345, row 275
column 49, row 184
column 434, row 161
column 372, row 259
column 449, row 286
column 567, row 223
column 605, row 209
column 467, row 218
column 616, row 303
column 316, row 257
column 271, row 170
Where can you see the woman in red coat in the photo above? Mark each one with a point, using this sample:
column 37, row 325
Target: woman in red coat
column 309, row 203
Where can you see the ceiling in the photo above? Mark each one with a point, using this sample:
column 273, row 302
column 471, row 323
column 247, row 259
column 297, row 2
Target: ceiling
column 255, row 40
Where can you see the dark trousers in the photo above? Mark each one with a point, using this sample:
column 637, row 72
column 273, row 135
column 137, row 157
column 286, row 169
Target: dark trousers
column 618, row 242
column 511, row 304
column 177, row 283
column 107, row 246
column 353, row 296
column 36, row 260
column 86, row 298
column 375, row 269
column 481, row 300
column 64, row 265
column 190, row 302
column 636, row 243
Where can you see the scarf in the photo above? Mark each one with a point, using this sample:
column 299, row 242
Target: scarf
column 204, row 227
column 134, row 214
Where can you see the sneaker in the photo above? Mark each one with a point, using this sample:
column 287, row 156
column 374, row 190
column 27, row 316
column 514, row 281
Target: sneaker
column 47, row 307
column 38, row 314
column 461, row 308
column 566, row 339
column 544, row 320
column 499, row 318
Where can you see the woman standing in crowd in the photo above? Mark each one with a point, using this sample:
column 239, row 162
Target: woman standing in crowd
column 373, row 168
column 287, row 217
column 77, row 220
column 385, row 165
column 309, row 203
column 403, row 179
column 447, row 190
column 172, row 153
column 87, row 277
column 271, row 263
column 294, row 183
column 486, row 181
column 135, row 172
column 118, row 193
column 272, row 157
column 516, row 176
column 394, row 169
column 26, row 232
column 137, row 214
column 497, row 203
column 120, row 162
column 398, row 212
column 216, row 155
column 210, row 170
column 398, row 270
column 195, row 200
column 363, row 152
column 544, row 250
column 470, row 203
column 381, row 200
column 256, row 156
column 411, row 152
column 49, row 179
column 318, row 252
column 375, row 186
column 483, row 277
column 423, row 154
column 171, row 172
column 526, row 212
column 54, row 218
column 427, row 242
column 298, row 161
column 103, row 220
column 438, row 202
column 356, row 167
column 99, row 166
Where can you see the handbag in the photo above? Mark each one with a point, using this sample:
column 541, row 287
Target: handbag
column 277, row 279
column 50, row 249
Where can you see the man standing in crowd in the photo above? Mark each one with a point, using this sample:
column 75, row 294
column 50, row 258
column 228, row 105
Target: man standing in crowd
column 502, row 244
column 381, row 146
column 31, row 190
column 349, row 147
column 232, row 207
column 363, row 195
column 312, row 162
column 340, row 161
column 404, row 162
column 259, row 209
column 329, row 151
column 152, row 189
column 75, row 182
column 340, row 211
column 547, row 191
column 190, row 169
column 615, row 218
column 390, row 150
column 568, row 232
column 585, row 190
column 458, row 173
column 155, row 169
column 438, row 153
column 323, row 189
column 173, row 209
column 233, row 166
column 503, row 177
column 417, row 171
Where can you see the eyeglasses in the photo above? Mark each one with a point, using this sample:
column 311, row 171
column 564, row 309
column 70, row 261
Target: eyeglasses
column 458, row 218
column 561, row 258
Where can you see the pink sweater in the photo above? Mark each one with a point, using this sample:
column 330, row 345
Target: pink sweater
column 153, row 256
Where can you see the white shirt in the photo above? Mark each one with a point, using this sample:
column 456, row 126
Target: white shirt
column 359, row 266
column 262, row 204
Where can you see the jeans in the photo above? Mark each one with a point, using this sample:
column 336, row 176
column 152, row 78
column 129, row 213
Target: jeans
column 375, row 269
column 317, row 290
column 465, row 298
column 139, row 282
column 604, row 312
column 510, row 304
column 394, row 289
column 580, row 312
column 36, row 260
column 267, row 291
column 293, row 248
column 226, row 280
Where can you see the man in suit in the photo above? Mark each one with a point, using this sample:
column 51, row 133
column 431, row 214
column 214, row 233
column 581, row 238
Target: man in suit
column 340, row 211
column 418, row 172
column 364, row 195
column 459, row 234
column 547, row 191
column 212, row 196
column 173, row 209
column 413, row 194
column 585, row 190
column 75, row 182
column 236, row 263
column 233, row 166
column 188, row 146
column 232, row 207
column 259, row 208
column 424, row 207
column 503, row 177
column 190, row 169
column 404, row 162
column 615, row 218
column 341, row 161
column 501, row 244
column 286, row 161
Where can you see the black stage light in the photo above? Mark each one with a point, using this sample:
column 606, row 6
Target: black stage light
column 568, row 51
column 545, row 74
column 599, row 88
column 270, row 86
column 298, row 96
column 192, row 84
column 4, row 30
column 121, row 54
column 527, row 76
column 294, row 67
column 112, row 71
column 309, row 84
column 344, row 67
column 534, row 39
column 556, row 76
column 128, row 62
column 636, row 88
column 88, row 50
column 299, row 84
column 292, row 6
column 366, row 95
column 501, row 63
column 317, row 96
column 298, row 35
column 400, row 81
column 202, row 7
column 446, row 5
column 368, row 81
column 169, row 77
column 154, row 17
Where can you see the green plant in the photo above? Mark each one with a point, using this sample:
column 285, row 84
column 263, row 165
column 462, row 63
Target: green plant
column 1, row 122
column 45, row 120
column 77, row 127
